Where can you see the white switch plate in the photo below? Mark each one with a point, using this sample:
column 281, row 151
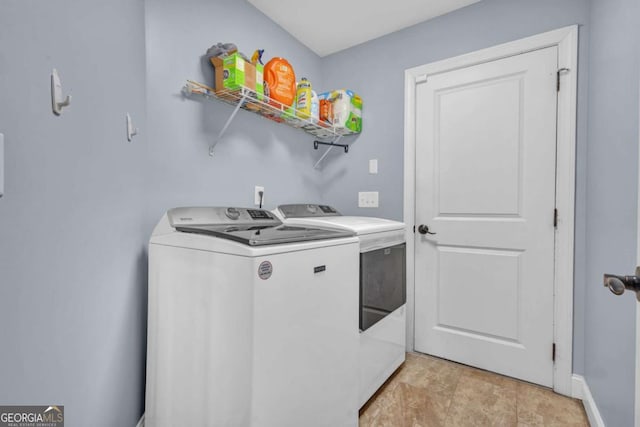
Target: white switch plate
column 256, row 195
column 1, row 165
column 373, row 166
column 368, row 199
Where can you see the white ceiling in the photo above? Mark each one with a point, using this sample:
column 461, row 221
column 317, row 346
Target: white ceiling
column 328, row 26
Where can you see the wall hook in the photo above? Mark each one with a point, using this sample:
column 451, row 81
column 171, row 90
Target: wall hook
column 57, row 99
column 131, row 131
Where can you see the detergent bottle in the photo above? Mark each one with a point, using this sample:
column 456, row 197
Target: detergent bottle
column 303, row 99
column 280, row 82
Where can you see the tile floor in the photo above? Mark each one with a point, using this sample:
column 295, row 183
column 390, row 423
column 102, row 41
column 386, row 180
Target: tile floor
column 427, row 391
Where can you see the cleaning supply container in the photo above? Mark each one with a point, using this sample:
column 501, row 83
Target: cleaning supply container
column 315, row 107
column 325, row 110
column 280, row 82
column 303, row 99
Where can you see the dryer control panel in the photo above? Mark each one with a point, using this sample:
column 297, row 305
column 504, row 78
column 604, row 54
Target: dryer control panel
column 307, row 211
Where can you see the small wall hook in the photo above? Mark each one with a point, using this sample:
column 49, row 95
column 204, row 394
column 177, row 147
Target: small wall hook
column 58, row 101
column 131, row 131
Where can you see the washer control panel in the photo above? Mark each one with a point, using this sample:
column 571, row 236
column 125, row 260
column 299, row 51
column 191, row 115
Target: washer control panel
column 191, row 216
column 232, row 213
column 257, row 214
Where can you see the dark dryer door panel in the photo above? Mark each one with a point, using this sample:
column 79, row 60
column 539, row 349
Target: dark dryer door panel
column 383, row 284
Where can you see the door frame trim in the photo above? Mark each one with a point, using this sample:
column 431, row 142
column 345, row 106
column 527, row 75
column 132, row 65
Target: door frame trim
column 566, row 39
column 637, row 398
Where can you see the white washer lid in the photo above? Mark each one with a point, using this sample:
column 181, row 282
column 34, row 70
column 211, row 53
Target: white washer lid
column 359, row 224
column 164, row 234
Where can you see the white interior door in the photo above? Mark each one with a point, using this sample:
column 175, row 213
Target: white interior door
column 485, row 184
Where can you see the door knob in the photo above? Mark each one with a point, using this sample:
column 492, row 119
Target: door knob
column 423, row 229
column 618, row 284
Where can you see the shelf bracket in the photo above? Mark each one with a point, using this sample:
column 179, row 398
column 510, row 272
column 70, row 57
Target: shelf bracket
column 226, row 125
column 332, row 144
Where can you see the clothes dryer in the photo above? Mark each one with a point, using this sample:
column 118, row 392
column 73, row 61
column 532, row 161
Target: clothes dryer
column 381, row 283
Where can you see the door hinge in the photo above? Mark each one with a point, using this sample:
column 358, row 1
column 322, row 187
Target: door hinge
column 414, row 228
column 560, row 71
column 553, row 352
column 555, row 218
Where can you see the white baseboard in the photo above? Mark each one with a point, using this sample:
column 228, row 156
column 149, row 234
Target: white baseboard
column 577, row 386
column 141, row 421
column 580, row 390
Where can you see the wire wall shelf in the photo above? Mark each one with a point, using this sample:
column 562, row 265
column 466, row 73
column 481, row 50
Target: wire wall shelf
column 264, row 106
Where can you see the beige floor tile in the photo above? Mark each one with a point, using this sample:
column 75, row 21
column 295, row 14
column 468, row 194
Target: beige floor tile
column 439, row 376
column 406, row 406
column 426, row 391
column 483, row 399
column 538, row 406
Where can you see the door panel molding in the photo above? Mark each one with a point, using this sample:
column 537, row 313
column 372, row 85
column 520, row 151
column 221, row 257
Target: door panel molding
column 566, row 39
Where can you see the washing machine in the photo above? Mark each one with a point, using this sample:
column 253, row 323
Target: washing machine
column 250, row 322
column 381, row 283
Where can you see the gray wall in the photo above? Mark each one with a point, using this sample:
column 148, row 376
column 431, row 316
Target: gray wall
column 380, row 81
column 72, row 264
column 254, row 151
column 80, row 201
column 612, row 163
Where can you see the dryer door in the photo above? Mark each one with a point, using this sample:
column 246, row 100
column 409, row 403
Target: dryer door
column 383, row 284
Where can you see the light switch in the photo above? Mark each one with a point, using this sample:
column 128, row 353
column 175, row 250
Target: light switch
column 1, row 165
column 368, row 199
column 373, row 166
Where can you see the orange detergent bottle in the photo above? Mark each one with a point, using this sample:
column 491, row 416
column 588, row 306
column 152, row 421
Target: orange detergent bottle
column 280, row 81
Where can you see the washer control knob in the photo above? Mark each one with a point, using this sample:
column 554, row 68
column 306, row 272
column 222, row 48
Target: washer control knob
column 232, row 213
